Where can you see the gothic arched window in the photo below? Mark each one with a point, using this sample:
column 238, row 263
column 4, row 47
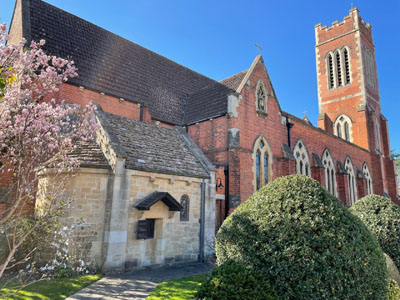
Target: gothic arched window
column 344, row 122
column 302, row 159
column 367, row 176
column 263, row 160
column 338, row 68
column 185, row 210
column 346, row 66
column 330, row 71
column 339, row 130
column 330, row 178
column 261, row 97
column 348, row 165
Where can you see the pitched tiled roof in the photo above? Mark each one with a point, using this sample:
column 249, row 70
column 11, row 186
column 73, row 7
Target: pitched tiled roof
column 234, row 81
column 113, row 65
column 89, row 155
column 208, row 102
column 152, row 148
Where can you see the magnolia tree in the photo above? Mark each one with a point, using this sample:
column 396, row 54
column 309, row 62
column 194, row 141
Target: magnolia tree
column 36, row 134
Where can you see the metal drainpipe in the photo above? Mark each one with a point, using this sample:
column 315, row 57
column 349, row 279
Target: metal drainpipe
column 141, row 112
column 202, row 206
column 289, row 126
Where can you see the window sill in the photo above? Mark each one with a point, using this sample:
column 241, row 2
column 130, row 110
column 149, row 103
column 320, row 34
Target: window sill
column 262, row 113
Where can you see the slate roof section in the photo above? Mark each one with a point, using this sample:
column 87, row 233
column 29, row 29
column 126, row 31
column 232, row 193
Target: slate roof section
column 154, row 197
column 152, row 148
column 234, row 81
column 208, row 102
column 89, row 155
column 111, row 64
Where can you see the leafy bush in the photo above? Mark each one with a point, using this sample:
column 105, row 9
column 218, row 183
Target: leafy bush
column 382, row 217
column 233, row 281
column 394, row 291
column 305, row 241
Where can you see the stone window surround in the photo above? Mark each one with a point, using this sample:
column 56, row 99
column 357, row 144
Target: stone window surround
column 342, row 68
column 184, row 214
column 349, row 167
column 261, row 85
column 329, row 166
column 265, row 149
column 370, row 70
column 342, row 122
column 377, row 134
column 303, row 157
column 367, row 176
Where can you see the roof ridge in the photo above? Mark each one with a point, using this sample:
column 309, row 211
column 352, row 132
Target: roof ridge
column 125, row 39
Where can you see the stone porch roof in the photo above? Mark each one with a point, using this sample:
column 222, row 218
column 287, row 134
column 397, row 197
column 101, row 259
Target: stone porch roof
column 156, row 149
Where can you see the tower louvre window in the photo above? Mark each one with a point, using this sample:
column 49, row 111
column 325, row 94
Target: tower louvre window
column 338, row 69
column 347, row 66
column 330, row 71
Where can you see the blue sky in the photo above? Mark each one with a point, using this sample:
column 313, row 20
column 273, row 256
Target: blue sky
column 216, row 38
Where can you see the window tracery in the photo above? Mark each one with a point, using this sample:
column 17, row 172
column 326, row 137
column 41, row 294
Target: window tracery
column 343, row 128
column 263, row 161
column 302, row 159
column 330, row 173
column 348, row 165
column 367, row 176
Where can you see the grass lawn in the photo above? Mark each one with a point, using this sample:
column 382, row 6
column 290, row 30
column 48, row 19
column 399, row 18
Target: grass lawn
column 179, row 289
column 53, row 289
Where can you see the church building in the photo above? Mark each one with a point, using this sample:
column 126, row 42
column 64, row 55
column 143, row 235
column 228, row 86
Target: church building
column 233, row 132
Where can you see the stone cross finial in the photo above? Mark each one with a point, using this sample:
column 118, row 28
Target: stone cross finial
column 259, row 49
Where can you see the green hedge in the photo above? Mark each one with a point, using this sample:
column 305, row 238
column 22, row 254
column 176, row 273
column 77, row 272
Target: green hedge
column 382, row 217
column 306, row 243
column 233, row 281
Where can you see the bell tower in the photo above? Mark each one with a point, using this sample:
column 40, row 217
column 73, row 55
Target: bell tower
column 348, row 91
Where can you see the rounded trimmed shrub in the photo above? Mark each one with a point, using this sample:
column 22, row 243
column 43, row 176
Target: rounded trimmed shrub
column 306, row 243
column 382, row 217
column 393, row 290
column 233, row 281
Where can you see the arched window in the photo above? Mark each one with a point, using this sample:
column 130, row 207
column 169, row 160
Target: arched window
column 346, row 65
column 302, row 159
column 185, row 210
column 348, row 165
column 338, row 69
column 261, row 97
column 330, row 172
column 339, row 130
column 331, row 72
column 263, row 160
column 367, row 176
column 346, row 131
column 344, row 122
